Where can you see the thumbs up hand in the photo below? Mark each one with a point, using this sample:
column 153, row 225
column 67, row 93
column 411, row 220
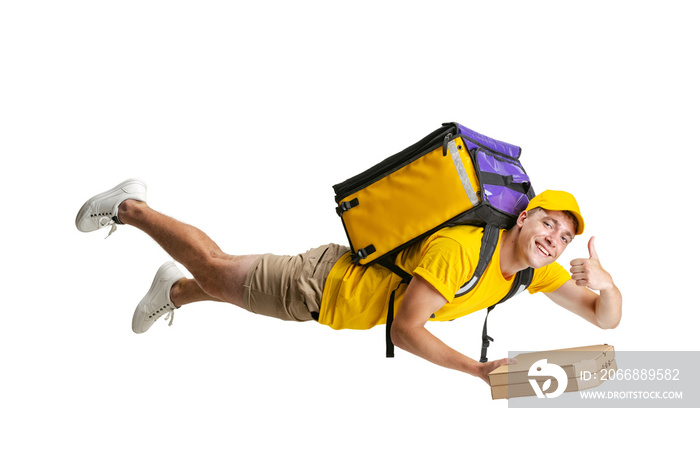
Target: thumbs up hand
column 589, row 272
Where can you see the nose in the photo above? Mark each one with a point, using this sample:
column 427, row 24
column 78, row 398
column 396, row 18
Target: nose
column 551, row 241
column 554, row 240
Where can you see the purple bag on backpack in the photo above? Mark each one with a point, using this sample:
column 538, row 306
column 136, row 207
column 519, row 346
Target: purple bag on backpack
column 505, row 187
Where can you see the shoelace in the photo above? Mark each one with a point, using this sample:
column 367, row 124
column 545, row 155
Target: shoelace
column 169, row 314
column 108, row 222
column 111, row 230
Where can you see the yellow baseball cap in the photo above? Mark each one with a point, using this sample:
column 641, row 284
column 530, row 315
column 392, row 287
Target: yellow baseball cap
column 558, row 200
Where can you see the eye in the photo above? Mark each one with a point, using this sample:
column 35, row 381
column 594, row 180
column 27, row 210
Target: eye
column 565, row 240
column 547, row 224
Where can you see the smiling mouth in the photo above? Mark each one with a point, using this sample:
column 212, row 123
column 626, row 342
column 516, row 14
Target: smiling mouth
column 543, row 250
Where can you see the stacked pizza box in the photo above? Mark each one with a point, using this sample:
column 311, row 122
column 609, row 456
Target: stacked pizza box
column 540, row 373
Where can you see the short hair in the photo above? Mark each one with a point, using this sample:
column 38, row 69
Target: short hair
column 566, row 212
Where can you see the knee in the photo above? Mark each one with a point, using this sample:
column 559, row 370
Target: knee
column 222, row 277
column 210, row 276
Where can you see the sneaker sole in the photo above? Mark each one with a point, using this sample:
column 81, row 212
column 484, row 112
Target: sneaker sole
column 103, row 195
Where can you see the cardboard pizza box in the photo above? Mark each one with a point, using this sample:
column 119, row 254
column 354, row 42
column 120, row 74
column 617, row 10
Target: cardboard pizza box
column 586, row 381
column 581, row 366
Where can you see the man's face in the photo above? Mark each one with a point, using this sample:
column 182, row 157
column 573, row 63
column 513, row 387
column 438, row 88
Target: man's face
column 544, row 236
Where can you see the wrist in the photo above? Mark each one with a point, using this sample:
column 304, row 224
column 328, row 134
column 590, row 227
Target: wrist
column 608, row 287
column 472, row 367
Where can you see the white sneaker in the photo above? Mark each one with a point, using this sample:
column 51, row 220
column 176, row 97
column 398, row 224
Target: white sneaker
column 101, row 210
column 157, row 301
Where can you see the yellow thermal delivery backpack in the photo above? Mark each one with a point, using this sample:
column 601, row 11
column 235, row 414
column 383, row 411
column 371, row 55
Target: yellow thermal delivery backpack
column 453, row 176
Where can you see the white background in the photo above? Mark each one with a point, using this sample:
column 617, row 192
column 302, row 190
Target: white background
column 241, row 117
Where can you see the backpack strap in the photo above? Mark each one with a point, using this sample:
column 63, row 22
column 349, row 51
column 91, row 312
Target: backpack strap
column 405, row 278
column 488, row 246
column 520, row 283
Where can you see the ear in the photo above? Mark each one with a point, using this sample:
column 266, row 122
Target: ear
column 520, row 221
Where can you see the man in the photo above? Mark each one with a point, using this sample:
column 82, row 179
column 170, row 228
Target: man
column 324, row 284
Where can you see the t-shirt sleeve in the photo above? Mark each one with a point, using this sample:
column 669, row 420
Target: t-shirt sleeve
column 549, row 278
column 444, row 265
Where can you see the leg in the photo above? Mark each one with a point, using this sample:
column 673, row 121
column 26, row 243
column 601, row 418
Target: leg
column 218, row 275
column 187, row 291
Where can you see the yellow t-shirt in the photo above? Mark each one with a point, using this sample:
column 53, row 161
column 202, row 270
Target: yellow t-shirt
column 357, row 297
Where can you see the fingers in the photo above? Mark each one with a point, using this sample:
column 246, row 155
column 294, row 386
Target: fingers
column 593, row 255
column 581, row 266
column 492, row 365
column 588, row 272
column 581, row 271
column 488, row 367
column 581, row 281
column 578, row 262
column 502, row 362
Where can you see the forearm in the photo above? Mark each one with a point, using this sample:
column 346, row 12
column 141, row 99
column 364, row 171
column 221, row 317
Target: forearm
column 419, row 341
column 408, row 332
column 608, row 309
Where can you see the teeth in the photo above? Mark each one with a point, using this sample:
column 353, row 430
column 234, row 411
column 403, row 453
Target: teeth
column 544, row 251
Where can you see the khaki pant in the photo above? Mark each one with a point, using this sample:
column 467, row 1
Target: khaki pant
column 290, row 287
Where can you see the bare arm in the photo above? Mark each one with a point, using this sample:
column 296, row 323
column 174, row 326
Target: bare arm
column 408, row 332
column 603, row 310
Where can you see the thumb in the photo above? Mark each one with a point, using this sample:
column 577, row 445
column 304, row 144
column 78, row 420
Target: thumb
column 591, row 248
